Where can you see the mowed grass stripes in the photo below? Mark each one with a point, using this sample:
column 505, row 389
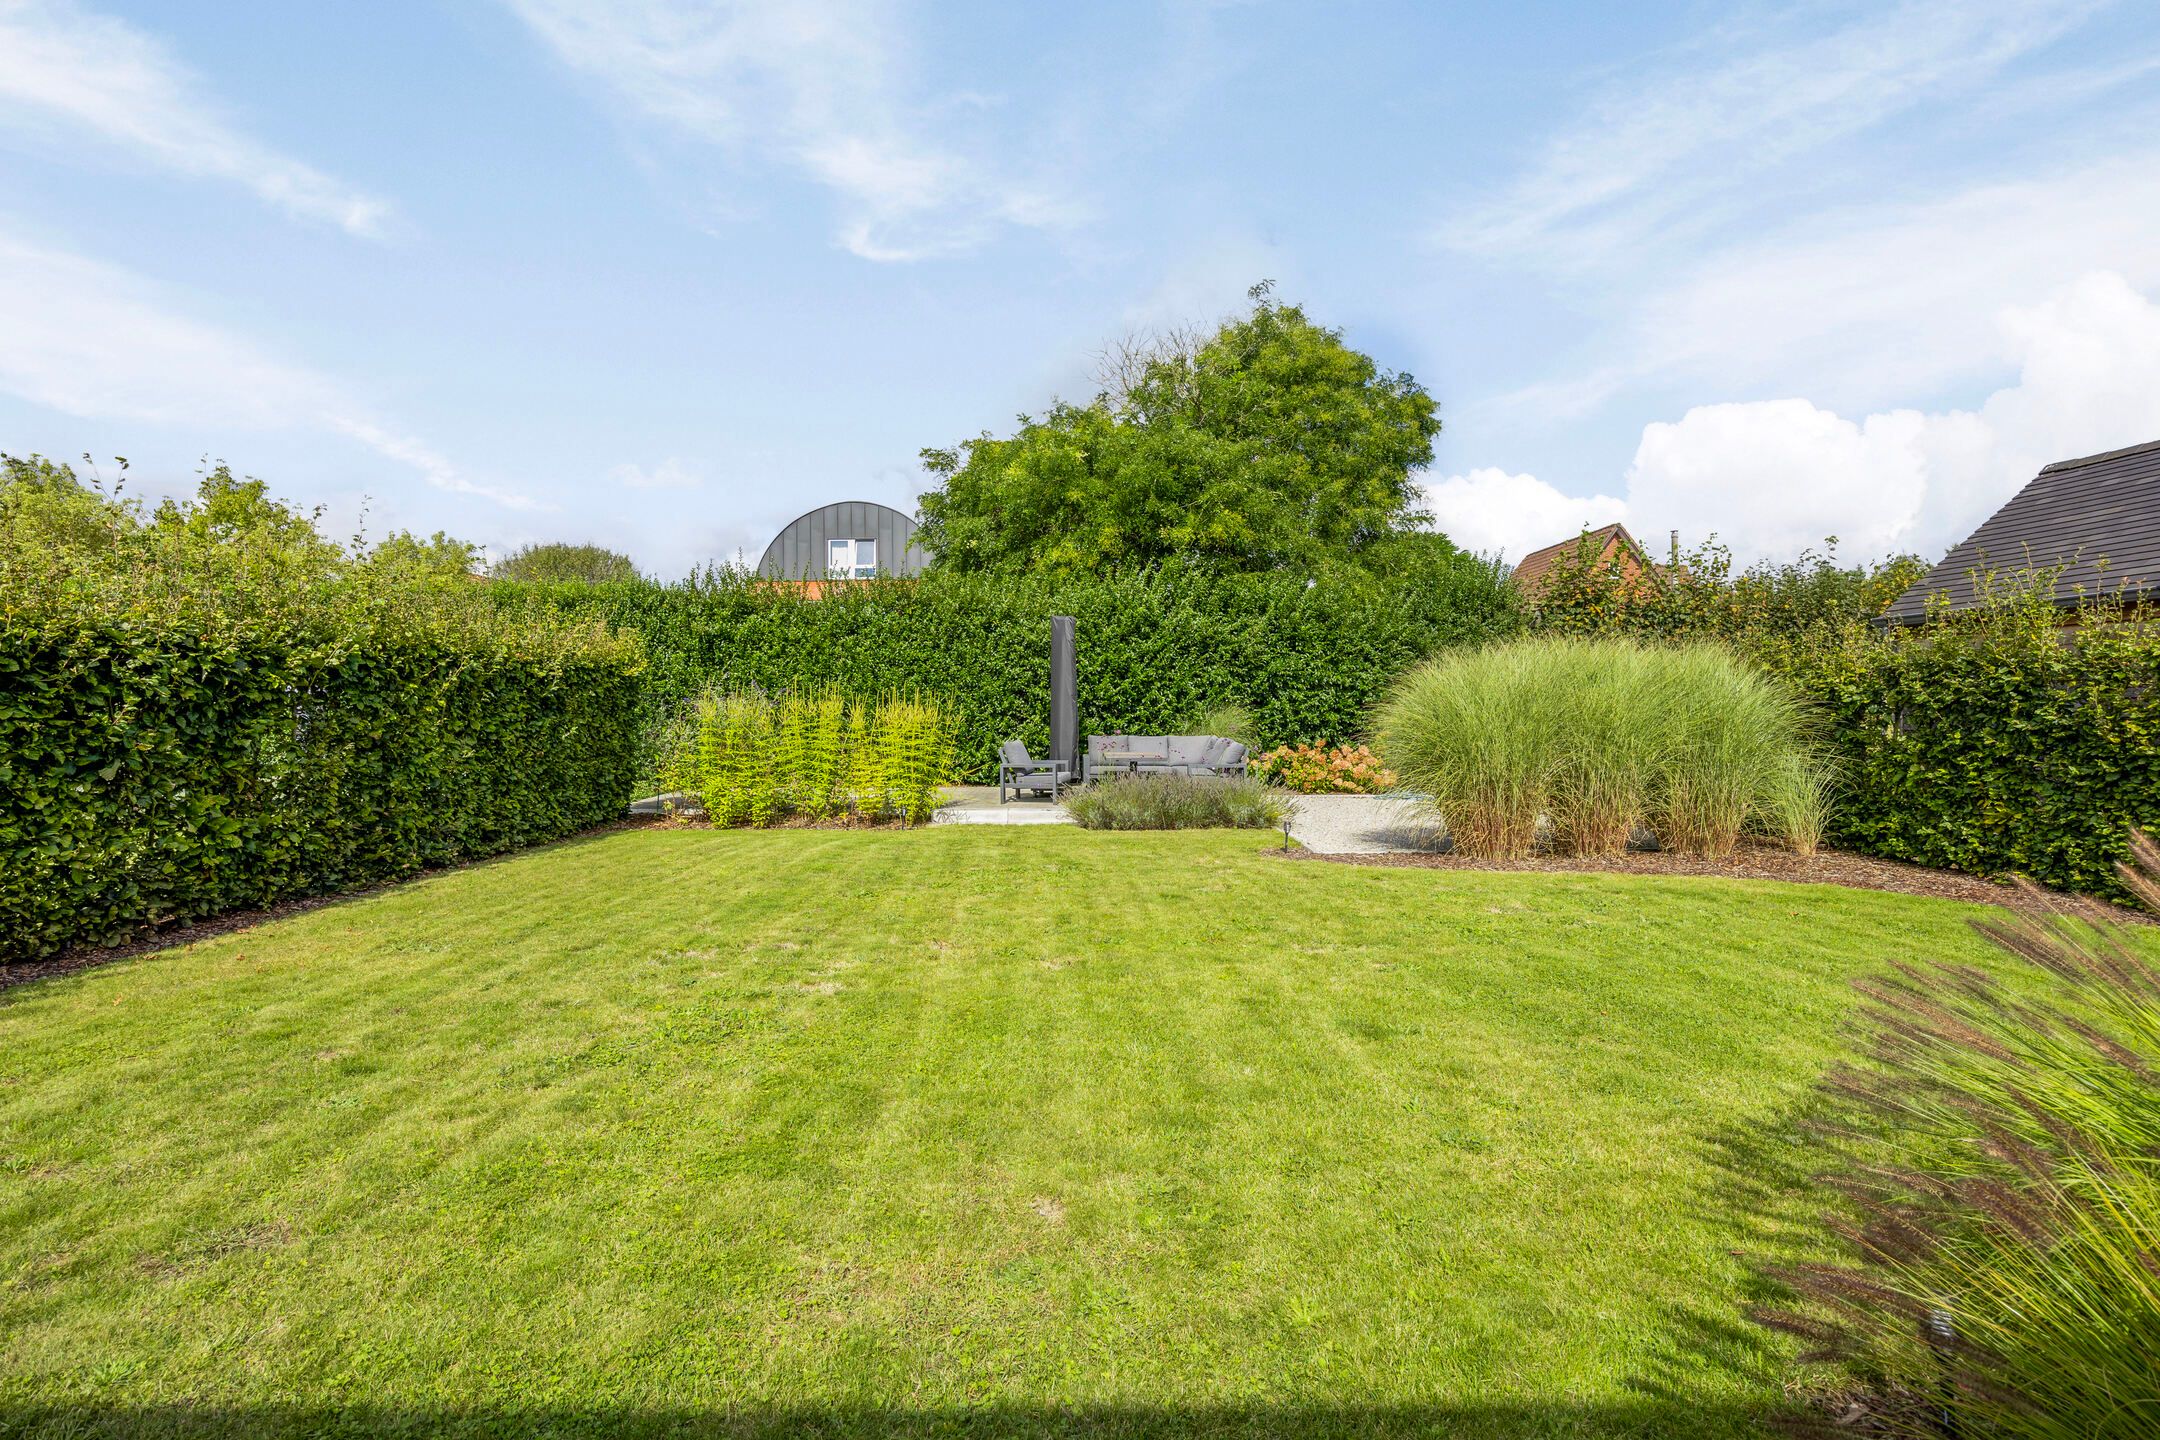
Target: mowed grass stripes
column 968, row 1129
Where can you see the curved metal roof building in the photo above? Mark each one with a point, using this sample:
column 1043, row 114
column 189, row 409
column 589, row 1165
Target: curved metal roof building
column 851, row 539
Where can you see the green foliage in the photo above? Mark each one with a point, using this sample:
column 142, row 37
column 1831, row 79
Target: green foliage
column 2012, row 738
column 750, row 758
column 217, row 709
column 1177, row 802
column 44, row 507
column 565, row 564
column 229, row 511
column 1598, row 737
column 437, row 558
column 1270, row 443
column 1305, row 659
column 1697, row 595
column 1996, row 742
column 1231, row 719
column 1994, row 1190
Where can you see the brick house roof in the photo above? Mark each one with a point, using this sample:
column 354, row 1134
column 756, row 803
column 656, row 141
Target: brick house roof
column 1606, row 542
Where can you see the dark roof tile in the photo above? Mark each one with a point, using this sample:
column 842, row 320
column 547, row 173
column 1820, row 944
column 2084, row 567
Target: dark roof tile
column 2098, row 518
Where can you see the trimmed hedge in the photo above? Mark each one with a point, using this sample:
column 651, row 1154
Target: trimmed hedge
column 1997, row 745
column 1306, row 657
column 160, row 765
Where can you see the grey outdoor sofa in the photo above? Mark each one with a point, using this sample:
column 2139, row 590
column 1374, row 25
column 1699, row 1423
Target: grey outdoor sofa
column 1164, row 755
column 1018, row 771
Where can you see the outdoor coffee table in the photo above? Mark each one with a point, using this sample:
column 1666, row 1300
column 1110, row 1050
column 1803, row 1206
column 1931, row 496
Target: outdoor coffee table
column 1131, row 759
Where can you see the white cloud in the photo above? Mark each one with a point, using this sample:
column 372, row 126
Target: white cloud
column 90, row 340
column 1493, row 512
column 816, row 85
column 669, row 474
column 1870, row 307
column 1663, row 148
column 1772, row 477
column 65, row 70
column 1776, row 476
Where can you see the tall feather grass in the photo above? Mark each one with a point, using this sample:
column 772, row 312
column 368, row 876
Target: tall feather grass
column 752, row 758
column 1589, row 739
column 1994, row 1188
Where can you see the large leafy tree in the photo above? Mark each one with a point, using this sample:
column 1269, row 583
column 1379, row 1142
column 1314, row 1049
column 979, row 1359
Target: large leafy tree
column 589, row 564
column 1269, row 443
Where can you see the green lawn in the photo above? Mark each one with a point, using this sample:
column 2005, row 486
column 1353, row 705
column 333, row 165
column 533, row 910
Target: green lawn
column 972, row 1130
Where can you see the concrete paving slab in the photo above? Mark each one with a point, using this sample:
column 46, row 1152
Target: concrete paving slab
column 978, row 805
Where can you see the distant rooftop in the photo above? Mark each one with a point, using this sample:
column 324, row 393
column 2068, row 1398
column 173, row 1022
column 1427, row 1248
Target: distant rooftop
column 1531, row 570
column 2097, row 517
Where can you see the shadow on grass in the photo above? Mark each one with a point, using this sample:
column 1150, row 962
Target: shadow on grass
column 1497, row 1421
column 1759, row 1195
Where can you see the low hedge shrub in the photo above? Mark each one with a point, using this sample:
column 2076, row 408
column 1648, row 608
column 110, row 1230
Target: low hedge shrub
column 165, row 769
column 1177, row 802
column 1997, row 743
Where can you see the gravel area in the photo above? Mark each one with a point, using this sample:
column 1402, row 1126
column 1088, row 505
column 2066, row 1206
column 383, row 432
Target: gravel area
column 1361, row 825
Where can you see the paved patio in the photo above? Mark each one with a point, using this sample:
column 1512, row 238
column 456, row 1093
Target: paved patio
column 978, row 805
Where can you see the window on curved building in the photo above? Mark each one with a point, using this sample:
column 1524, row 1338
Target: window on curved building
column 851, row 559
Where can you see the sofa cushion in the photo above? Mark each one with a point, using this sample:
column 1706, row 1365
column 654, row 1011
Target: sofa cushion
column 1188, row 749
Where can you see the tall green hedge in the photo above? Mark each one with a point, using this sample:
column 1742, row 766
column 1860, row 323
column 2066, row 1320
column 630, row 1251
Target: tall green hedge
column 162, row 763
column 1307, row 655
column 1998, row 744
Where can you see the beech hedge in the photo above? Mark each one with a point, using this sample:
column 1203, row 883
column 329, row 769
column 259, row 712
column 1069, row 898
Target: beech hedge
column 1996, row 744
column 1306, row 655
column 160, row 763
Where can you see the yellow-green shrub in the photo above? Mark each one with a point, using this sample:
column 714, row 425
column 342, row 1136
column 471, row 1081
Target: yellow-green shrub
column 749, row 758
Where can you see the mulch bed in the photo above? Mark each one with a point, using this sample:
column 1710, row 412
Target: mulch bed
column 171, row 937
column 1750, row 862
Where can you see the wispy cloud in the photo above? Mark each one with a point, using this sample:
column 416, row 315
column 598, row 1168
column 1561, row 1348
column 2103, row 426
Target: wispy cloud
column 88, row 339
column 66, row 73
column 1876, row 304
column 818, row 86
column 1668, row 147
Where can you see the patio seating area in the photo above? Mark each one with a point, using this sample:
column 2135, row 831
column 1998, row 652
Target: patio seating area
column 1109, row 755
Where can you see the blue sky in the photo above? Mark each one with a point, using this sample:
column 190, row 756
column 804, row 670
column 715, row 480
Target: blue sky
column 663, row 274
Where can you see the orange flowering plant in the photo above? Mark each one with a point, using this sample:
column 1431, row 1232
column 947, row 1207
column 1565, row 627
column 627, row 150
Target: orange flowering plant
column 1316, row 769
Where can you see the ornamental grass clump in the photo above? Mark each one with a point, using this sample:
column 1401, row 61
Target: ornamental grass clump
column 1994, row 1190
column 1577, row 744
column 749, row 758
column 1177, row 802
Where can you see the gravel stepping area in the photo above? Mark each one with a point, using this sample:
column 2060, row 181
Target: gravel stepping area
column 1362, row 825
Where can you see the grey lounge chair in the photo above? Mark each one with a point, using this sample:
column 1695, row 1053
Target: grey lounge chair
column 1017, row 771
